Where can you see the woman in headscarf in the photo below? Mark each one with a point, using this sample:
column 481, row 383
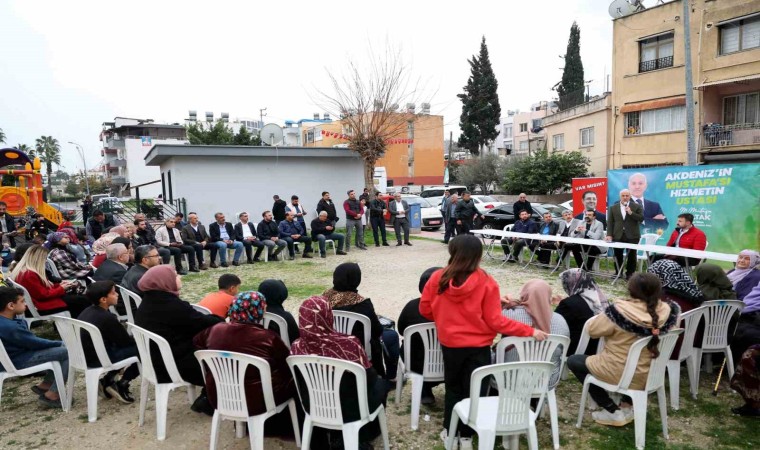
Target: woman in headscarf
column 275, row 292
column 746, row 275
column 410, row 315
column 99, row 248
column 74, row 245
column 585, row 300
column 64, row 259
column 164, row 313
column 318, row 337
column 534, row 308
column 344, row 296
column 713, row 282
column 677, row 285
column 246, row 334
column 748, row 329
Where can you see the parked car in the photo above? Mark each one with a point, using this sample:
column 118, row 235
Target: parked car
column 556, row 210
column 484, row 203
column 109, row 205
column 568, row 205
column 431, row 215
column 499, row 217
column 67, row 213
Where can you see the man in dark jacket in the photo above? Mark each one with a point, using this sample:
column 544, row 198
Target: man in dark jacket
column 548, row 228
column 522, row 205
column 524, row 225
column 291, row 232
column 466, row 212
column 115, row 267
column 278, row 209
column 146, row 235
column 223, row 236
column 245, row 232
column 146, row 256
column 99, row 223
column 400, row 210
column 377, row 219
column 326, row 204
column 7, row 225
column 322, row 230
column 623, row 225
column 450, row 217
column 354, row 210
column 270, row 235
column 194, row 234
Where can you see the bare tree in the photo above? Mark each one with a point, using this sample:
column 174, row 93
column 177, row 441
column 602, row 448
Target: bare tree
column 367, row 102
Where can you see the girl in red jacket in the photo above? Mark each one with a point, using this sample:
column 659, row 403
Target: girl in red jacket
column 464, row 302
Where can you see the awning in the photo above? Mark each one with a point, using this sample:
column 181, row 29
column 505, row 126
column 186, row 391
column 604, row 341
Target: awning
column 754, row 76
column 653, row 104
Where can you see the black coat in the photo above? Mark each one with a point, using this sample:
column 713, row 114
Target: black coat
column 132, row 277
column 318, row 227
column 239, row 230
column 10, row 224
column 409, row 316
column 216, row 234
column 521, row 206
column 110, row 271
column 366, row 308
column 576, row 312
column 466, row 210
column 97, row 228
column 278, row 210
column 332, row 215
column 267, row 230
column 188, row 234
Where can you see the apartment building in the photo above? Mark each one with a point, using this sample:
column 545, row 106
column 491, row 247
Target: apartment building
column 527, row 128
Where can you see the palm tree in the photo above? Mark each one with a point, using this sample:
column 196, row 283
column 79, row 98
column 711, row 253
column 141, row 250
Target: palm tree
column 26, row 149
column 2, row 136
column 49, row 152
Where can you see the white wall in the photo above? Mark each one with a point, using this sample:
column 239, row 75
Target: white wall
column 234, row 184
column 137, row 172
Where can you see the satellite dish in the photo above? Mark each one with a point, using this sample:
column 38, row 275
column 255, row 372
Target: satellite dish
column 271, row 134
column 622, row 8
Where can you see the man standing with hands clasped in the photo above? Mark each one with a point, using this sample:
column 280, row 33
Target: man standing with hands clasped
column 354, row 210
column 623, row 220
column 399, row 210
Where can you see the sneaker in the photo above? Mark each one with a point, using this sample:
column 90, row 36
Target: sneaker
column 224, row 264
column 322, row 255
column 204, row 267
column 385, row 244
column 306, row 255
column 235, row 263
column 120, row 391
column 399, row 244
column 274, row 258
column 202, row 405
column 604, row 417
column 408, row 243
column 214, row 265
column 102, row 385
column 746, row 411
column 628, row 413
column 341, row 252
column 195, row 269
column 182, row 272
column 47, row 403
column 465, row 443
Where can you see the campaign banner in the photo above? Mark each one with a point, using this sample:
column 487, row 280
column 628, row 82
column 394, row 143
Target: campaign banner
column 724, row 200
column 589, row 193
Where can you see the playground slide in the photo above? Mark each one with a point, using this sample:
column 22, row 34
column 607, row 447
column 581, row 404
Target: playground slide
column 28, row 189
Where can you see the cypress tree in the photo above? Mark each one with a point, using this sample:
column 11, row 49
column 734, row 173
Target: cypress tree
column 571, row 88
column 480, row 104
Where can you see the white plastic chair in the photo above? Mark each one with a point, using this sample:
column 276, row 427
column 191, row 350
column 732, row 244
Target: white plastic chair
column 201, row 309
column 322, row 377
column 281, row 324
column 646, row 239
column 129, row 298
column 71, row 331
column 583, row 342
column 228, row 370
column 718, row 314
column 143, row 339
column 509, row 414
column 344, row 321
column 655, row 383
column 50, row 265
column 32, row 309
column 432, row 368
column 10, row 371
column 495, row 240
column 689, row 321
column 531, row 350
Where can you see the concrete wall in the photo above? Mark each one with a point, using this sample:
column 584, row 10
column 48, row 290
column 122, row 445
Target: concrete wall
column 234, row 184
column 137, row 172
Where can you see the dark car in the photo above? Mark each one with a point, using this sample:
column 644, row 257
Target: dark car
column 67, row 213
column 501, row 216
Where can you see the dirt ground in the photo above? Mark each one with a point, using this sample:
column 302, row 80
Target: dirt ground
column 390, row 278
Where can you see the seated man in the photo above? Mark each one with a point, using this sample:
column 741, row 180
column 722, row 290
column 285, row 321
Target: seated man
column 168, row 237
column 548, row 228
column 179, row 220
column 146, row 235
column 194, row 234
column 566, row 228
column 270, row 235
column 322, row 230
column 27, row 350
column 119, row 344
column 245, row 232
column 223, row 236
column 146, row 256
column 291, row 232
column 686, row 235
column 115, row 267
column 219, row 302
column 524, row 225
column 590, row 229
column 98, row 224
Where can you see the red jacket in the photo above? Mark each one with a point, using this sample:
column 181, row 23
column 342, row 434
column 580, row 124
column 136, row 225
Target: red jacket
column 468, row 315
column 44, row 298
column 694, row 239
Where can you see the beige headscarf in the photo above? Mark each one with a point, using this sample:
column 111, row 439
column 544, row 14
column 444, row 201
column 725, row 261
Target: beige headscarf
column 536, row 298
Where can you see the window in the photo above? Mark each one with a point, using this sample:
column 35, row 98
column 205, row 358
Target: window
column 536, row 124
column 508, row 131
column 524, row 145
column 741, row 109
column 740, row 35
column 587, row 137
column 656, row 53
column 524, row 127
column 558, row 141
column 655, row 121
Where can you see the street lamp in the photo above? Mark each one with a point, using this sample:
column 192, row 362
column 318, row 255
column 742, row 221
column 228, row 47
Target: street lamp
column 84, row 163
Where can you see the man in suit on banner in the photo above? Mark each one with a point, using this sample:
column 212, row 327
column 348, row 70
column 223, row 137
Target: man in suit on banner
column 654, row 217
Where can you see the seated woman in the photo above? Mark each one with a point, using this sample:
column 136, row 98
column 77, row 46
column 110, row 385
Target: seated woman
column 245, row 334
column 534, row 308
column 584, row 301
column 99, row 248
column 410, row 315
column 746, row 275
column 48, row 297
column 746, row 381
column 315, row 319
column 677, row 285
column 164, row 313
column 64, row 259
column 275, row 292
column 713, row 282
column 748, row 329
column 344, row 296
column 74, row 245
column 622, row 324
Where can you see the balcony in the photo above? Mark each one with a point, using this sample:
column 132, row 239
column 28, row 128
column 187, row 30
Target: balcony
column 747, row 134
column 118, row 163
column 119, row 179
column 655, row 64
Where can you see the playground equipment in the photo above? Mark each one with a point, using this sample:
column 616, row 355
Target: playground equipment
column 25, row 198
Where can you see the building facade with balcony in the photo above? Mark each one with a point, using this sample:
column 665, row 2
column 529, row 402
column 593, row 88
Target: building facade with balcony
column 648, row 99
column 527, row 128
column 125, row 142
column 504, row 143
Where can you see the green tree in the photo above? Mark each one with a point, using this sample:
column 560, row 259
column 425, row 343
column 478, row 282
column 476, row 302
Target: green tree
column 72, row 188
column 216, row 134
column 571, row 88
column 243, row 137
column 480, row 104
column 49, row 152
column 545, row 172
column 485, row 172
column 26, row 149
column 2, row 136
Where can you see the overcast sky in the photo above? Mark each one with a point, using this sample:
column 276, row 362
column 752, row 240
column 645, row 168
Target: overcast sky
column 68, row 66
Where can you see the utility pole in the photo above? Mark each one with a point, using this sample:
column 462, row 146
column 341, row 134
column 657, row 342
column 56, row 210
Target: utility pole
column 691, row 151
column 84, row 163
column 261, row 115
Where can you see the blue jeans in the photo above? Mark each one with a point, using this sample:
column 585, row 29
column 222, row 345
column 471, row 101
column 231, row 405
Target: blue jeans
column 390, row 353
column 222, row 246
column 337, row 237
column 59, row 354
